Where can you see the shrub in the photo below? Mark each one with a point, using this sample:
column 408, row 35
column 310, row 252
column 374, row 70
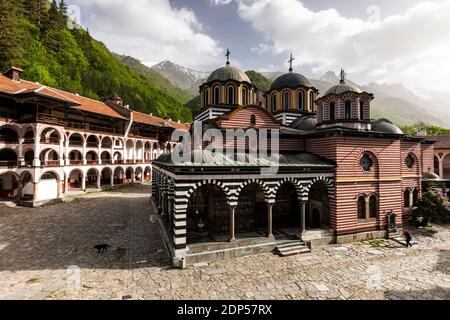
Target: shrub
column 433, row 208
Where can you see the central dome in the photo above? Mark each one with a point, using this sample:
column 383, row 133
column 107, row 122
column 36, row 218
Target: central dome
column 290, row 80
column 228, row 73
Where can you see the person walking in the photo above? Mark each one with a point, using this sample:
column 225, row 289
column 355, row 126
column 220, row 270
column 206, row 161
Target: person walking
column 408, row 239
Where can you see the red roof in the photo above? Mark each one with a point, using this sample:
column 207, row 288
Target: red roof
column 159, row 122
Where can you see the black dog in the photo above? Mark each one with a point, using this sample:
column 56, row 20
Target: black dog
column 102, row 248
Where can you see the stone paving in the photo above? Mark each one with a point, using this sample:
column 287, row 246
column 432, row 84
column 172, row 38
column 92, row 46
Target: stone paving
column 47, row 253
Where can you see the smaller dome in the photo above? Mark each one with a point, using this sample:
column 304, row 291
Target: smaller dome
column 304, row 123
column 342, row 88
column 383, row 125
column 228, row 73
column 430, row 176
column 290, row 80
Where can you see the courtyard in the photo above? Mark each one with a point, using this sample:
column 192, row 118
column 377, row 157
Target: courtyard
column 48, row 253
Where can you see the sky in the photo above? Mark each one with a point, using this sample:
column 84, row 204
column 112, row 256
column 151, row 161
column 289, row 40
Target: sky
column 384, row 41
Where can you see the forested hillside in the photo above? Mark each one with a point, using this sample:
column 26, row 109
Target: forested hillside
column 34, row 36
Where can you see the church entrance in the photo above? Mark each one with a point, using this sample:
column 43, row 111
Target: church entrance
column 317, row 214
column 286, row 211
column 208, row 216
column 251, row 212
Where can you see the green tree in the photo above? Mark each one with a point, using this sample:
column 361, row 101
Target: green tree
column 36, row 11
column 433, row 208
column 12, row 35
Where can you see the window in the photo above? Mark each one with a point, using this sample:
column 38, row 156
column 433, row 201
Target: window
column 373, row 206
column 348, row 110
column 301, row 100
column 231, row 95
column 286, row 101
column 361, row 207
column 409, row 161
column 311, row 102
column 253, row 120
column 216, row 95
column 415, row 197
column 244, row 97
column 366, row 162
column 332, row 111
column 406, row 198
column 206, row 98
column 274, row 102
column 361, row 110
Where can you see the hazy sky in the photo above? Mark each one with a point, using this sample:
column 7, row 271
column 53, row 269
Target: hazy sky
column 404, row 41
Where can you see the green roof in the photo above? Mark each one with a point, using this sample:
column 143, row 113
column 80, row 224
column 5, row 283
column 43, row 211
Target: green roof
column 206, row 158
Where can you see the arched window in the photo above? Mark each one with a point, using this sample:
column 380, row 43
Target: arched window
column 274, row 102
column 253, row 120
column 231, row 95
column 301, row 100
column 216, row 95
column 373, row 206
column 332, row 111
column 244, row 96
column 361, row 110
column 286, row 101
column 311, row 102
column 406, row 198
column 361, row 207
column 415, row 197
column 206, row 98
column 348, row 110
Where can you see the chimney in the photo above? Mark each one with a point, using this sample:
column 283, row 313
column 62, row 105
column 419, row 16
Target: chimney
column 14, row 74
column 116, row 100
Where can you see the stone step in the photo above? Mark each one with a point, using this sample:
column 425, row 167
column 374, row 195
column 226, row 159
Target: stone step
column 292, row 248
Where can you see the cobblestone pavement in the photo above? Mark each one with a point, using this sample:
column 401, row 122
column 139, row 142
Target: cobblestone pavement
column 39, row 249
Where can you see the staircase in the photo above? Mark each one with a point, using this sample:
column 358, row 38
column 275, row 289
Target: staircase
column 292, row 247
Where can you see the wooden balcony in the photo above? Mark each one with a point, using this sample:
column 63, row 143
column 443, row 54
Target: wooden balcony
column 76, row 162
column 9, row 164
column 52, row 163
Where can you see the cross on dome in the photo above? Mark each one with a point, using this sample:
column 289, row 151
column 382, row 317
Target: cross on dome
column 343, row 74
column 291, row 60
column 228, row 56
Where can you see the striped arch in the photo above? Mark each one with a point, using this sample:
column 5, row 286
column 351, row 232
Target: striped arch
column 298, row 186
column 200, row 184
column 259, row 182
column 328, row 182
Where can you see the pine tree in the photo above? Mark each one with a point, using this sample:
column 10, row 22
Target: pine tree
column 35, row 11
column 12, row 33
column 62, row 8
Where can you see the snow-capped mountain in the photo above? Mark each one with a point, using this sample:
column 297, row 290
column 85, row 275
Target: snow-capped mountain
column 180, row 76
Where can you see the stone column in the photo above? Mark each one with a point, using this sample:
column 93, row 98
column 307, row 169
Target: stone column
column 269, row 220
column 99, row 153
column 411, row 198
column 83, row 182
column 59, row 194
column 303, row 218
column 66, row 183
column 232, row 223
column 37, row 151
column 111, row 180
column 61, row 152
column 441, row 167
column 66, row 153
column 134, row 152
column 83, row 155
column 99, row 182
column 21, row 157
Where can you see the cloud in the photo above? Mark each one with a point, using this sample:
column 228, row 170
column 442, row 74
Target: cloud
column 150, row 30
column 412, row 47
column 220, row 2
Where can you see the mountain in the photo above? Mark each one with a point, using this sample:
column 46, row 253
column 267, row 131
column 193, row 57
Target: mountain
column 72, row 60
column 180, row 76
column 259, row 80
column 156, row 79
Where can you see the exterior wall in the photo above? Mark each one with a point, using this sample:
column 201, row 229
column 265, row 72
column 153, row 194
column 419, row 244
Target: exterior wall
column 241, row 120
column 294, row 95
column 428, row 158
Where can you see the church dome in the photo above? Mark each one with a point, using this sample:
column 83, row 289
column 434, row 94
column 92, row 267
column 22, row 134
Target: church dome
column 305, row 123
column 386, row 126
column 228, row 73
column 342, row 88
column 290, row 80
